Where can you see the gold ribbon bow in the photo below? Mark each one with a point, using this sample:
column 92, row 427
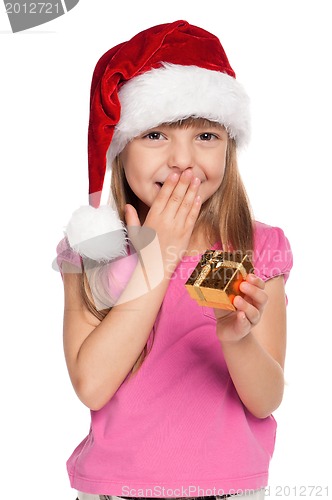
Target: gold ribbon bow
column 218, row 264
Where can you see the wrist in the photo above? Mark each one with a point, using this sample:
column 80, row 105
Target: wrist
column 235, row 341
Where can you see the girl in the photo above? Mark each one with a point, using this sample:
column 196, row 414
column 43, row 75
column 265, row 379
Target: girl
column 181, row 396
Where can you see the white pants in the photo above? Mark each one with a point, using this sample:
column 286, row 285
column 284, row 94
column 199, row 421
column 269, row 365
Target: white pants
column 253, row 495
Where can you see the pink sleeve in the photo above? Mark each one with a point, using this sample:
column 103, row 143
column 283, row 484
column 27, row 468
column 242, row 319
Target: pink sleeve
column 106, row 280
column 66, row 254
column 272, row 255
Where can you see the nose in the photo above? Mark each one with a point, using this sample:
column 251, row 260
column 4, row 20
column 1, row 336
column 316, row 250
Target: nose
column 181, row 155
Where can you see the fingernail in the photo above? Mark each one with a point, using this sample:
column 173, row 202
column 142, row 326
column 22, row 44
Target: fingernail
column 238, row 300
column 196, row 181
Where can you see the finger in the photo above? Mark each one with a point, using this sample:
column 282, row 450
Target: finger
column 193, row 213
column 237, row 325
column 140, row 236
column 165, row 192
column 189, row 195
column 253, row 314
column 255, row 280
column 133, row 225
column 242, row 325
column 253, row 293
column 188, row 200
column 131, row 216
column 177, row 196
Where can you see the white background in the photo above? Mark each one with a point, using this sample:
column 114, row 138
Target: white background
column 281, row 52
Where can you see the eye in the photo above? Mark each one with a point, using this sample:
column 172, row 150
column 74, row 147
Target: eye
column 154, row 136
column 207, row 136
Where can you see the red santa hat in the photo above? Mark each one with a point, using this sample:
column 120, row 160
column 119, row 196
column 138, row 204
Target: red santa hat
column 163, row 74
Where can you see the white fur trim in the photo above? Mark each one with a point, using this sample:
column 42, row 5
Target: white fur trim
column 173, row 92
column 97, row 233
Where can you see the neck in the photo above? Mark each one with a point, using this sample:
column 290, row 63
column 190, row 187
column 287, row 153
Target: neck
column 198, row 243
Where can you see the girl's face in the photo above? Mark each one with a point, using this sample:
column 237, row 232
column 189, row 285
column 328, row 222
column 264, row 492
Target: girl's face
column 151, row 157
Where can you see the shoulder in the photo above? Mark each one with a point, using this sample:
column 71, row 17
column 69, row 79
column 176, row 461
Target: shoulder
column 272, row 252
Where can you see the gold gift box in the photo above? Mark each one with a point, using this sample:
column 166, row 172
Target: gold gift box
column 216, row 279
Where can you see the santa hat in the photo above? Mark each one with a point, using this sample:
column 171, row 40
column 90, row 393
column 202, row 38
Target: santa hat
column 163, row 74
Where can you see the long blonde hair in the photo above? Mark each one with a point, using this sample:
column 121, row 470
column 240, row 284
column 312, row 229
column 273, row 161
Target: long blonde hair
column 226, row 216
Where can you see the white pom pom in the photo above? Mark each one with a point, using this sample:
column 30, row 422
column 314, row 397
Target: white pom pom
column 97, row 233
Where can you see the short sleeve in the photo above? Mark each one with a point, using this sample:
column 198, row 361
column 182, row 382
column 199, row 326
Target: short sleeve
column 106, row 280
column 272, row 252
column 65, row 254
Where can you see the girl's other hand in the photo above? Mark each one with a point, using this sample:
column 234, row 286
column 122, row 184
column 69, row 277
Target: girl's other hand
column 234, row 326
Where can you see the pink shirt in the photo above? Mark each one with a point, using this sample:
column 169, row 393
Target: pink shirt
column 178, row 427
